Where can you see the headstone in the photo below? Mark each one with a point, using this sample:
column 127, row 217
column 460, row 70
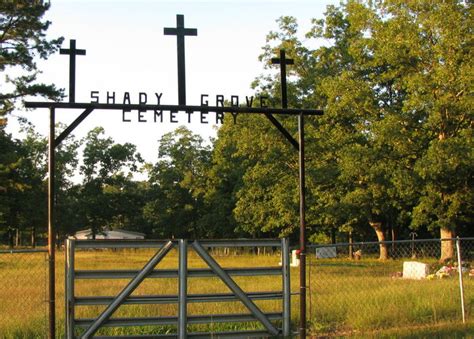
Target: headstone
column 326, row 252
column 415, row 270
column 357, row 255
column 295, row 260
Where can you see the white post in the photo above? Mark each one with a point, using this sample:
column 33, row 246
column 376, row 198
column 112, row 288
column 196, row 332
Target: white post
column 461, row 288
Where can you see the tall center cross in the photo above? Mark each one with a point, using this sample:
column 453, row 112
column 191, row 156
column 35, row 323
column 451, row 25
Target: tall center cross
column 283, row 61
column 72, row 51
column 181, row 32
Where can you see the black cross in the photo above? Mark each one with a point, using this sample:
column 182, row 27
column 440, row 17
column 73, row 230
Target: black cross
column 72, row 51
column 283, row 62
column 181, row 32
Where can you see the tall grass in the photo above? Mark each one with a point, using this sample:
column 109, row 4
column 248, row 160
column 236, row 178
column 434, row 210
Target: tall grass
column 363, row 296
column 343, row 295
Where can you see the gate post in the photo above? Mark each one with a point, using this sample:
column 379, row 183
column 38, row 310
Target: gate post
column 461, row 287
column 183, row 288
column 285, row 266
column 69, row 293
column 51, row 228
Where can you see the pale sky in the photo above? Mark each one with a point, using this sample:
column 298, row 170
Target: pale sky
column 127, row 52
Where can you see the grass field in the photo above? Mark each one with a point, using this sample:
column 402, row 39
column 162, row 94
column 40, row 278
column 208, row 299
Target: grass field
column 345, row 297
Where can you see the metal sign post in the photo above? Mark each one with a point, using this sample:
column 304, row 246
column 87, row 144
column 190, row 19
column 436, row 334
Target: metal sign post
column 51, row 228
column 302, row 228
column 127, row 106
column 283, row 61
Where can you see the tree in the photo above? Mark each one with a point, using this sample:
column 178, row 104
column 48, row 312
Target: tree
column 31, row 205
column 9, row 162
column 440, row 90
column 22, row 37
column 25, row 188
column 177, row 187
column 224, row 180
column 380, row 153
column 66, row 193
column 424, row 52
column 267, row 201
column 107, row 169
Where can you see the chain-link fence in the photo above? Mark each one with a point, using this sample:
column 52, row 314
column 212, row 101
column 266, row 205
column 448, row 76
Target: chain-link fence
column 373, row 286
column 23, row 289
column 349, row 287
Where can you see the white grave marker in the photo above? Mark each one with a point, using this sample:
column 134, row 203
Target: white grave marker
column 295, row 260
column 415, row 270
column 326, row 252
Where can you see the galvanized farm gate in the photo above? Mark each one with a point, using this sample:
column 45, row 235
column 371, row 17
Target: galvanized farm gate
column 182, row 273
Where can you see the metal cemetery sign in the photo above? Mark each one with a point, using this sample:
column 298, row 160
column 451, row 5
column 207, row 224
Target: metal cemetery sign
column 148, row 107
column 171, row 116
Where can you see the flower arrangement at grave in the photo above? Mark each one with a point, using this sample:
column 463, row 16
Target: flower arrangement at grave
column 450, row 269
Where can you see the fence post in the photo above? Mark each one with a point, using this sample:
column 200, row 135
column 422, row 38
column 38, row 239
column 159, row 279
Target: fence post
column 69, row 293
column 285, row 263
column 461, row 287
column 183, row 288
column 51, row 229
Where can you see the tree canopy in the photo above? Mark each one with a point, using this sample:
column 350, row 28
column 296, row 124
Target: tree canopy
column 23, row 40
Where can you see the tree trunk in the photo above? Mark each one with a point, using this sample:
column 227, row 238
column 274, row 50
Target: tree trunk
column 33, row 236
column 17, row 238
column 447, row 247
column 377, row 226
column 11, row 238
column 393, row 237
column 351, row 250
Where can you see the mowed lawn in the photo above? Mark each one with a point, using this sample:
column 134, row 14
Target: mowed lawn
column 345, row 296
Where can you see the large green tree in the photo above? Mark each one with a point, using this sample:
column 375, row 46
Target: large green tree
column 23, row 181
column 395, row 81
column 23, row 40
column 9, row 183
column 107, row 170
column 177, row 186
column 430, row 48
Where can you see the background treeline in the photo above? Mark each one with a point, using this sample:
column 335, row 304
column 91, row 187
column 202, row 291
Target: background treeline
column 393, row 153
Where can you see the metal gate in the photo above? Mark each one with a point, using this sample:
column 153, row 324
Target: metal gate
column 274, row 323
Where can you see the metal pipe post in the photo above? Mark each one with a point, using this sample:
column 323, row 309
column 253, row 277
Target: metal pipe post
column 183, row 289
column 51, row 230
column 461, row 286
column 69, row 293
column 302, row 329
column 285, row 266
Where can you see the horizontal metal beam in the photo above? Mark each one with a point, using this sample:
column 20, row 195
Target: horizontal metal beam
column 230, row 334
column 24, row 251
column 173, row 273
column 173, row 299
column 120, row 243
column 199, row 335
column 194, row 319
column 241, row 243
column 388, row 242
column 174, row 108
